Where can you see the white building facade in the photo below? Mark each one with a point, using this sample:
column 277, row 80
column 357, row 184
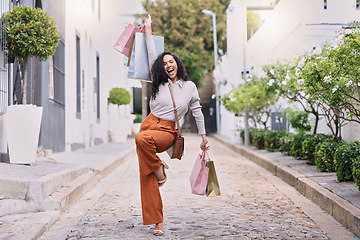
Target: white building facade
column 291, row 28
column 93, row 68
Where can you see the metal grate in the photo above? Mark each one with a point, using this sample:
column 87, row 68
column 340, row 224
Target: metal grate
column 4, row 7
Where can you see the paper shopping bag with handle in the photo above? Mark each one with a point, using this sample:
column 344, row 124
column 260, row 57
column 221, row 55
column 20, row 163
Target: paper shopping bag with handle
column 213, row 188
column 139, row 61
column 199, row 175
column 125, row 41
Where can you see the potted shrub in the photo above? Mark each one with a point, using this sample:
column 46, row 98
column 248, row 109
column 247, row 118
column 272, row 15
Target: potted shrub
column 119, row 122
column 29, row 33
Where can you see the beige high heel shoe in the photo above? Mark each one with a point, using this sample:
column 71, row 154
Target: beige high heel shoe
column 165, row 166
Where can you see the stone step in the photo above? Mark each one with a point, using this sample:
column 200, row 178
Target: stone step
column 70, row 192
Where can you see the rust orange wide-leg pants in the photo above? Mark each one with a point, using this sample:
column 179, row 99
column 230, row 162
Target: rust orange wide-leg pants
column 156, row 135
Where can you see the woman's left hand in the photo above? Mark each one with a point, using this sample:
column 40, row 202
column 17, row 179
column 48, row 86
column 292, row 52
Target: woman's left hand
column 204, row 143
column 148, row 23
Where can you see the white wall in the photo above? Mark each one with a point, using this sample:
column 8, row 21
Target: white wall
column 97, row 36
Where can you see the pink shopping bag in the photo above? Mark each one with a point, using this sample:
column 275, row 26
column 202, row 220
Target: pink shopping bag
column 199, row 175
column 124, row 43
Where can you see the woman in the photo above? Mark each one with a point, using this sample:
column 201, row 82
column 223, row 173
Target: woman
column 157, row 132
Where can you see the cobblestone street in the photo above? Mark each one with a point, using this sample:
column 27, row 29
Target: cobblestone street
column 251, row 206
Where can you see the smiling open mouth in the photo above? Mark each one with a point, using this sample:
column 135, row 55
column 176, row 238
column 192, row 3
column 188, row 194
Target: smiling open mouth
column 170, row 71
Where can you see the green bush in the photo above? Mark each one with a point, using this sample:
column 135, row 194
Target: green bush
column 138, row 118
column 344, row 157
column 296, row 146
column 310, row 143
column 356, row 171
column 119, row 96
column 285, row 142
column 258, row 138
column 251, row 134
column 325, row 153
column 272, row 140
column 298, row 120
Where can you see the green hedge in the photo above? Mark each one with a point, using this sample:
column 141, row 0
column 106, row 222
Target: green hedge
column 309, row 145
column 344, row 157
column 286, row 142
column 296, row 146
column 356, row 171
column 325, row 153
column 272, row 140
column 258, row 138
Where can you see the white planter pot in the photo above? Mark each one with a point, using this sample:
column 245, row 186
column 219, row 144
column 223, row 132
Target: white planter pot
column 136, row 128
column 22, row 123
column 118, row 124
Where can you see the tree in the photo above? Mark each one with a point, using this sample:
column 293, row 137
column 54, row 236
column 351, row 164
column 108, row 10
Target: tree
column 30, row 33
column 187, row 31
column 256, row 96
column 285, row 75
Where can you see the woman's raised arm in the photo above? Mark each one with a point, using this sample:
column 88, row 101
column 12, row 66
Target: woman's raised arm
column 150, row 41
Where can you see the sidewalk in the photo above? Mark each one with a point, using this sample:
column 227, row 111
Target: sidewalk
column 340, row 200
column 32, row 198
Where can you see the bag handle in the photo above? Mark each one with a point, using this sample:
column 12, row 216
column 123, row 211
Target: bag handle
column 207, row 154
column 176, row 115
column 142, row 27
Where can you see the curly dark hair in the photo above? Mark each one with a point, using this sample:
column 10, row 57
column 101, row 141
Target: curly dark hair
column 159, row 76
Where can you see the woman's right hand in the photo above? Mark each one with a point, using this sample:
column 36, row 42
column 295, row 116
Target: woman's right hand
column 148, row 26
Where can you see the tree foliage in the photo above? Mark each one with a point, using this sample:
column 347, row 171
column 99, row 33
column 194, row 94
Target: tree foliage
column 256, row 96
column 119, row 96
column 188, row 32
column 30, row 33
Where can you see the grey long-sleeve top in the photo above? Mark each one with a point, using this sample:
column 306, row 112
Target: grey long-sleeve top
column 185, row 94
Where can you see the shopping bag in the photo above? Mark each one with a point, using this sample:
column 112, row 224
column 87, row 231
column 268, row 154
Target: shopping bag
column 124, row 42
column 139, row 64
column 199, row 175
column 212, row 188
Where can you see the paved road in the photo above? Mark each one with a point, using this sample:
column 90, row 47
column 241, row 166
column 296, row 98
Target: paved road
column 254, row 205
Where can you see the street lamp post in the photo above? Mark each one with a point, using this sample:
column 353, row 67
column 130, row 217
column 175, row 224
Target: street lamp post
column 210, row 13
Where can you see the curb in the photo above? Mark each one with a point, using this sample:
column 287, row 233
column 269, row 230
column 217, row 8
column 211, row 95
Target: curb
column 343, row 211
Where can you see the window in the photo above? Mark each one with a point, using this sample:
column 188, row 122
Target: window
column 97, row 89
column 78, row 79
column 57, row 75
column 51, row 73
column 325, row 4
column 357, row 4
